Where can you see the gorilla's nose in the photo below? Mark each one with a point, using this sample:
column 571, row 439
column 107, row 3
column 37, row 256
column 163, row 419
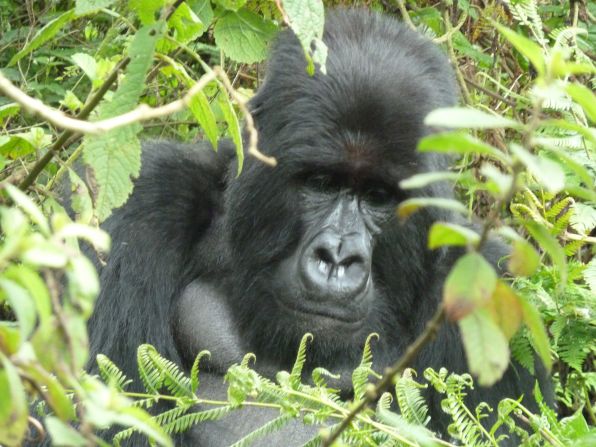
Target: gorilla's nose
column 336, row 267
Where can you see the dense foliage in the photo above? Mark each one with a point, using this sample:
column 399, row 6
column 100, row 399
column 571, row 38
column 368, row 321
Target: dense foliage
column 526, row 171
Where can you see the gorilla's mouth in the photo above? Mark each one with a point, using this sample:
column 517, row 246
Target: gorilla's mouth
column 352, row 314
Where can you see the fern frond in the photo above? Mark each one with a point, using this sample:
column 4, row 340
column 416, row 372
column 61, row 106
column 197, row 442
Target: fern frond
column 411, row 403
column 296, row 374
column 319, row 374
column 194, row 371
column 150, row 376
column 270, row 427
column 183, row 423
column 384, row 402
column 521, row 350
column 111, row 374
column 364, row 369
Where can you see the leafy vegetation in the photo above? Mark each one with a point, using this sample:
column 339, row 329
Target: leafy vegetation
column 109, row 73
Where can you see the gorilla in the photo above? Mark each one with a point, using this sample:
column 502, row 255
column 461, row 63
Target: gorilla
column 203, row 259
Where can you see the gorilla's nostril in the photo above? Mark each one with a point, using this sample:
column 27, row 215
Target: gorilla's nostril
column 351, row 260
column 324, row 256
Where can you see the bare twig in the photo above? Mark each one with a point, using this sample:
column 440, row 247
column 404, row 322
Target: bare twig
column 451, row 31
column 405, row 15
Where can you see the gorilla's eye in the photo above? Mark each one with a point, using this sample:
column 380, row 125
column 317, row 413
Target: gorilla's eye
column 320, row 182
column 378, row 195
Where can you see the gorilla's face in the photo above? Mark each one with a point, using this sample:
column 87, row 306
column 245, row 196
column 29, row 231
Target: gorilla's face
column 327, row 283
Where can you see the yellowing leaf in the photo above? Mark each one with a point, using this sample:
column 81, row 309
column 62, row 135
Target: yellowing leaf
column 469, row 285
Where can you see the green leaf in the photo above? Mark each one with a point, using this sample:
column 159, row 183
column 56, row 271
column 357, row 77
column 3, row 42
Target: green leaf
column 469, row 285
column 63, row 434
column 199, row 106
column 232, row 5
column 87, row 64
column 8, row 110
column 549, row 244
column 547, row 172
column 231, row 119
column 115, row 156
column 25, row 203
column 467, row 118
column 44, row 35
column 525, row 46
column 244, row 36
column 505, row 309
column 56, row 394
column 486, row 347
column 187, row 26
column 146, row 9
column 409, row 206
column 88, row 6
column 585, row 97
column 307, row 20
column 13, row 405
column 426, row 178
column 22, row 305
column 537, row 332
column 445, row 234
column 30, row 280
column 459, row 143
column 524, row 260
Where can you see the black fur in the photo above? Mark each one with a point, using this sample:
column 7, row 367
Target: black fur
column 198, row 255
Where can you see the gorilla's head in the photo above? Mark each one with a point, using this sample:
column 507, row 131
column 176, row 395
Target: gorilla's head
column 315, row 240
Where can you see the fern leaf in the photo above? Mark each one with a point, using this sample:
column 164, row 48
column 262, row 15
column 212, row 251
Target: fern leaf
column 296, row 374
column 110, row 373
column 411, row 403
column 270, row 427
column 194, row 371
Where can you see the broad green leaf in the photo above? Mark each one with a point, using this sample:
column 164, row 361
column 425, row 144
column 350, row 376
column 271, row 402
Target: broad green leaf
column 88, row 6
column 146, row 9
column 233, row 126
column 13, row 405
column 63, row 434
column 422, row 180
column 585, row 97
column 201, row 110
column 445, row 234
column 203, row 9
column 537, row 332
column 525, row 46
column 486, row 347
column 459, row 143
column 87, row 64
column 504, row 309
column 469, row 285
column 187, row 26
column 45, row 254
column 244, row 36
column 307, row 20
column 409, row 206
column 44, row 35
column 30, row 280
column 583, row 219
column 523, row 260
column 547, row 172
column 115, row 156
column 21, row 304
column 467, row 118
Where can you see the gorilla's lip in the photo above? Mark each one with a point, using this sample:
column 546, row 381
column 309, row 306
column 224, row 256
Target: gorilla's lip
column 331, row 310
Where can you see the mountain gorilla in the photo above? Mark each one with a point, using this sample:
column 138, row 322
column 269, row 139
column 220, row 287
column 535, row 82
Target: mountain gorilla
column 204, row 260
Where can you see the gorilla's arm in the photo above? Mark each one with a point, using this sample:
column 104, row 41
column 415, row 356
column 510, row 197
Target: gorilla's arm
column 154, row 237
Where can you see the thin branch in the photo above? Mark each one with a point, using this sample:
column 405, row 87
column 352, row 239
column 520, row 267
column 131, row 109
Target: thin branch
column 490, row 93
column 373, row 393
column 451, row 31
column 405, row 15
